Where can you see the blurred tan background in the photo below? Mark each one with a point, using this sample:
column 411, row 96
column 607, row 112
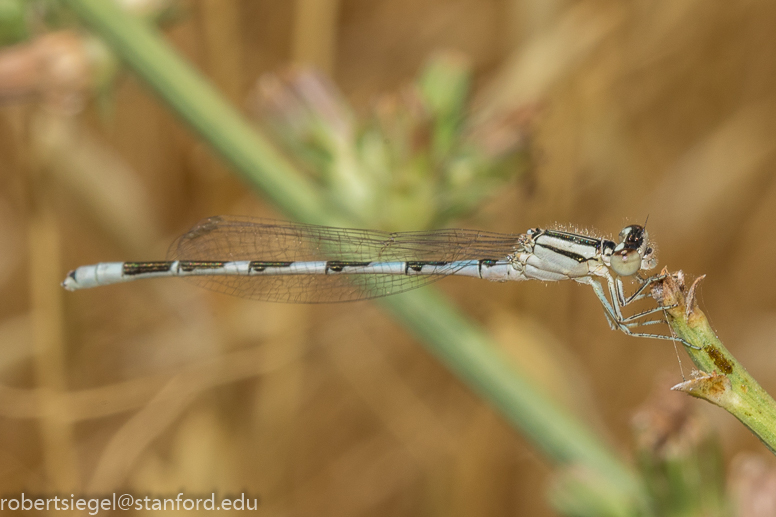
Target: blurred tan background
column 661, row 109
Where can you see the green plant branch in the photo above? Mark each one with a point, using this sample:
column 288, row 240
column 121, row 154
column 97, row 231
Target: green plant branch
column 446, row 332
column 198, row 103
column 723, row 381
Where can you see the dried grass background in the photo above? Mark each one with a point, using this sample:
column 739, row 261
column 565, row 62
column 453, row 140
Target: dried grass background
column 661, row 108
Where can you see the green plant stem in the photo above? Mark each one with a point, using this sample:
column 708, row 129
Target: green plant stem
column 473, row 356
column 443, row 330
column 197, row 102
column 726, row 383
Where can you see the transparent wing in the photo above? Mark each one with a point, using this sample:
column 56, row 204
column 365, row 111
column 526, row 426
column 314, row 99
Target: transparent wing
column 229, row 238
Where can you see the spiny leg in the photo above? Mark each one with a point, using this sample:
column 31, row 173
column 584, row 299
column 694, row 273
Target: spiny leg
column 598, row 289
column 639, row 294
column 621, row 324
column 615, row 286
column 627, row 331
column 616, row 303
column 631, row 321
column 619, row 300
column 644, row 323
column 611, row 310
column 647, row 313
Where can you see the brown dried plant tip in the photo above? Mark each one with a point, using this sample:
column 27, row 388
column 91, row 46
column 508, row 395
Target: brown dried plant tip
column 711, row 387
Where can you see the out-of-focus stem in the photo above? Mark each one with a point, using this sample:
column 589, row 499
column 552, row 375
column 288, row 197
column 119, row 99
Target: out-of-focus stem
column 49, row 348
column 203, row 108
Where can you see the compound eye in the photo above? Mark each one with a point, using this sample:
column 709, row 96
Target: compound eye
column 626, row 262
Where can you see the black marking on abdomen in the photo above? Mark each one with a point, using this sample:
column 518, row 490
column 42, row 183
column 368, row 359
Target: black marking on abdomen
column 138, row 268
column 256, row 265
column 338, row 265
column 417, row 265
column 190, row 265
column 486, row 263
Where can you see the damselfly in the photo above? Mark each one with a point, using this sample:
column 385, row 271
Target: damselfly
column 275, row 261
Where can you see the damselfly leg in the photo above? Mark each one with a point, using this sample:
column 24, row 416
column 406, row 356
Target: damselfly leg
column 613, row 310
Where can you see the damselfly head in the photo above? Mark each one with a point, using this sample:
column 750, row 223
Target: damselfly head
column 634, row 252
